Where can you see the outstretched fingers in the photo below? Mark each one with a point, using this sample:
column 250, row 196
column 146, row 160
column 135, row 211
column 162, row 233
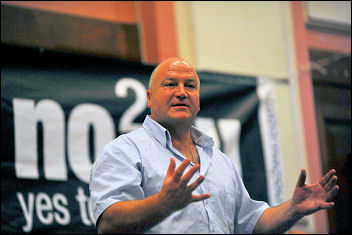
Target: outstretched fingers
column 195, row 184
column 171, row 169
column 332, row 193
column 327, row 177
column 187, row 177
column 329, row 185
column 196, row 198
column 180, row 181
column 327, row 205
column 179, row 171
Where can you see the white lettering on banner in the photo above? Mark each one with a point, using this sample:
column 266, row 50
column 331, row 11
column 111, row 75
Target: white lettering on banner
column 26, row 117
column 50, row 113
column 127, row 123
column 66, row 217
column 90, row 210
column 83, row 208
column 79, row 122
column 27, row 211
column 82, row 117
column 44, row 208
column 43, row 204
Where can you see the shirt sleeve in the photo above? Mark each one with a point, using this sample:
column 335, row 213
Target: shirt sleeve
column 115, row 176
column 249, row 210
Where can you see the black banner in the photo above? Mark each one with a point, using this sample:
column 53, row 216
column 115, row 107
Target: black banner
column 57, row 112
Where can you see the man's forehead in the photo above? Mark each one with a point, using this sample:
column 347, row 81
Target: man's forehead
column 175, row 61
column 179, row 64
column 175, row 68
column 187, row 79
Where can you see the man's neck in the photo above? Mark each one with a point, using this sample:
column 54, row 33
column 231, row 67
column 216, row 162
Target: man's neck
column 182, row 141
column 180, row 132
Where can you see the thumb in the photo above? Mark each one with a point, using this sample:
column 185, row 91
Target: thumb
column 301, row 179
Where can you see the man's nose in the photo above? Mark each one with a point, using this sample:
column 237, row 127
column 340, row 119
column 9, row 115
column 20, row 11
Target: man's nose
column 180, row 91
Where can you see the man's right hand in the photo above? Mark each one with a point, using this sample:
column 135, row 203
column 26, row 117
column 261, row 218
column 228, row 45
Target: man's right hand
column 175, row 193
column 139, row 215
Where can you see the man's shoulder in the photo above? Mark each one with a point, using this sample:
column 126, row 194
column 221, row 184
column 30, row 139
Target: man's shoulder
column 135, row 136
column 129, row 144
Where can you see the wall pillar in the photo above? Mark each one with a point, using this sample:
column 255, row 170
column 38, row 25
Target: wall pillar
column 308, row 106
column 157, row 29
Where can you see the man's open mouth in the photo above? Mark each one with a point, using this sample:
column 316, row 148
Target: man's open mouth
column 179, row 105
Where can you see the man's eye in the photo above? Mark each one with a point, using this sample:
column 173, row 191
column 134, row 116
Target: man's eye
column 190, row 86
column 170, row 84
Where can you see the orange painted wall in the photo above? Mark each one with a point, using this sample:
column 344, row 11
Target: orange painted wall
column 117, row 11
column 157, row 30
column 329, row 42
column 158, row 33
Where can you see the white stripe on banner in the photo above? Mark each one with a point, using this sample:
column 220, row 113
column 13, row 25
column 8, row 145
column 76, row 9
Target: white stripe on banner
column 230, row 129
column 270, row 139
column 230, row 132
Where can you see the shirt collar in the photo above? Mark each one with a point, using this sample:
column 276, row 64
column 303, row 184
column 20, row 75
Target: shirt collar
column 162, row 135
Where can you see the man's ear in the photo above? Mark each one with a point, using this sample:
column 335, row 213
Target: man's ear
column 149, row 95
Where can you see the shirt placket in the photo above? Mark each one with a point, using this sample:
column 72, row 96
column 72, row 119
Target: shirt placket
column 203, row 188
column 205, row 163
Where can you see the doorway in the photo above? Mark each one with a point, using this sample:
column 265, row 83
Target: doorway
column 331, row 77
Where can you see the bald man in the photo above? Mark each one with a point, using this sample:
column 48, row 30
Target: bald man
column 167, row 176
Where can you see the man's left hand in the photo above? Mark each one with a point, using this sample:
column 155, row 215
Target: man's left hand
column 308, row 199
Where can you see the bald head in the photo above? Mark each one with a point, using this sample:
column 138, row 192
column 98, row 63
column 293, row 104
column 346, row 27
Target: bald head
column 173, row 94
column 170, row 66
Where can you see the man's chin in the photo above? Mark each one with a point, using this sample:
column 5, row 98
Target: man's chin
column 175, row 117
column 181, row 118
